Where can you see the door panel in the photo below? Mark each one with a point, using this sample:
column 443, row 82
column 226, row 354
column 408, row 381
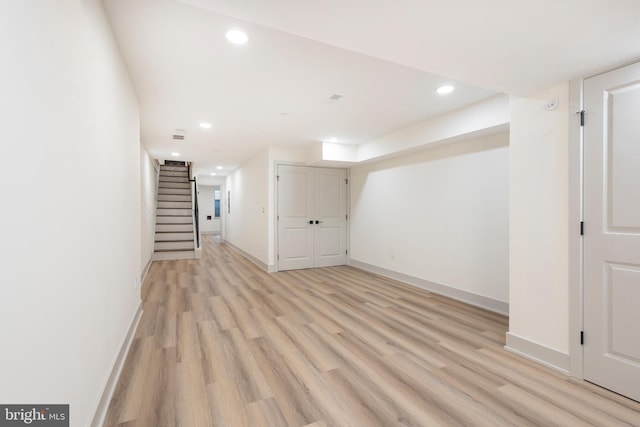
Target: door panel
column 317, row 195
column 612, row 231
column 330, row 185
column 623, row 294
column 296, row 243
column 624, row 152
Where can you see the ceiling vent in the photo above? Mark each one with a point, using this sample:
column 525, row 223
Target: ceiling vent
column 178, row 135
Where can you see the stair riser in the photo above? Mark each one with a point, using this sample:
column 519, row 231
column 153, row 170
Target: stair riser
column 174, row 205
column 174, row 168
column 184, row 174
column 173, row 179
column 178, row 191
column 168, row 237
column 175, row 228
column 181, row 185
column 173, row 212
column 174, row 220
column 174, row 245
column 174, row 198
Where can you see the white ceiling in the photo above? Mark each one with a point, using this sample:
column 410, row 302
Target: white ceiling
column 380, row 55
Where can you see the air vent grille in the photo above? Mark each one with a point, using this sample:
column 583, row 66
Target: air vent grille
column 178, row 134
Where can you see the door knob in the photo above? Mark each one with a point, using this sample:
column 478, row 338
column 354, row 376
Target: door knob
column 318, row 222
column 310, row 221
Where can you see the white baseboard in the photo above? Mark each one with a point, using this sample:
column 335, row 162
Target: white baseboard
column 146, row 268
column 256, row 261
column 109, row 388
column 539, row 353
column 453, row 293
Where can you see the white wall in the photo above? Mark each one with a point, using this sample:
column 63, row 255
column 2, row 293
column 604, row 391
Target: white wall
column 206, row 207
column 247, row 224
column 148, row 184
column 539, row 198
column 439, row 215
column 71, row 235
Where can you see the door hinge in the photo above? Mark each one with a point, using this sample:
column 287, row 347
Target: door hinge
column 277, row 177
column 278, row 257
column 581, row 337
column 581, row 117
column 346, row 181
column 582, row 228
column 278, row 218
column 346, row 216
column 346, row 251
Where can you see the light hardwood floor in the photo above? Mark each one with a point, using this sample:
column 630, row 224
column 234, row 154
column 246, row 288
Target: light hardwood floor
column 221, row 343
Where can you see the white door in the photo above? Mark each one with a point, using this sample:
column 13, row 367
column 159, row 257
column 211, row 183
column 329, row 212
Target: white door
column 312, row 222
column 330, row 234
column 612, row 230
column 295, row 218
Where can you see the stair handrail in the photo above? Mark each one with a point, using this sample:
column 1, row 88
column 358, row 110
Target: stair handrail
column 196, row 212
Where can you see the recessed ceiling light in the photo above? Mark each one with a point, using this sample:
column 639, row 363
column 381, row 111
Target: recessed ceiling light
column 205, row 125
column 175, row 154
column 213, row 174
column 237, row 36
column 284, row 114
column 443, row 90
column 219, row 168
column 332, row 140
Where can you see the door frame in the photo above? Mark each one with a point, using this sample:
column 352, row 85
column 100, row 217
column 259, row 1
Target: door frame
column 576, row 240
column 276, row 195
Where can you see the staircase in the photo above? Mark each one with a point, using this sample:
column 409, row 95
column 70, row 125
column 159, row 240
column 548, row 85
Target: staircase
column 175, row 238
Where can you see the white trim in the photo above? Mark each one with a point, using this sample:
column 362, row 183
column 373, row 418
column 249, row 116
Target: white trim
column 576, row 195
column 100, row 411
column 146, row 268
column 457, row 294
column 347, row 241
column 538, row 353
column 256, row 261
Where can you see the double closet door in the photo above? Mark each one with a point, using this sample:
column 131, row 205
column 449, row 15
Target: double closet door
column 312, row 217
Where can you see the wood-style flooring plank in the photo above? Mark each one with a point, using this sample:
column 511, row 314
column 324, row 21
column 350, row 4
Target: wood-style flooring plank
column 223, row 343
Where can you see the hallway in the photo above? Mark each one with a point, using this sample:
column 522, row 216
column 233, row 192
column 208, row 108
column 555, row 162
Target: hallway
column 222, row 343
